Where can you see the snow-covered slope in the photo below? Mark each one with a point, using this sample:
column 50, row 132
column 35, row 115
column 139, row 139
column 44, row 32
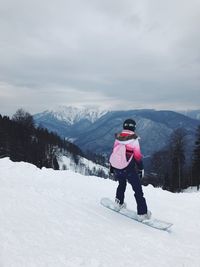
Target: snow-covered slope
column 72, row 115
column 83, row 166
column 53, row 218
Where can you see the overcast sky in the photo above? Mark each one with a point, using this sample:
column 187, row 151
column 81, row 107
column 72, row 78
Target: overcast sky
column 118, row 54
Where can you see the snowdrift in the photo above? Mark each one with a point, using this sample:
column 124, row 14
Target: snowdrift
column 53, row 218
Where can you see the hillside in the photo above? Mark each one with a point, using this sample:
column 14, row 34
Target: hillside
column 154, row 128
column 53, row 218
column 194, row 114
column 20, row 140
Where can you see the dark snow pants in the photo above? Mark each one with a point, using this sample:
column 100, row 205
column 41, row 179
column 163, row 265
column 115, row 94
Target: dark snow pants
column 129, row 174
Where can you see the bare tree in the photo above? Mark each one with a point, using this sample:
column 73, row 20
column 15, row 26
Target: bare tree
column 196, row 161
column 23, row 117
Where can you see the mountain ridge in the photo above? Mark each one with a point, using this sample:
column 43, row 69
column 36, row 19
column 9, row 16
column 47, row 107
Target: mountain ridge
column 72, row 115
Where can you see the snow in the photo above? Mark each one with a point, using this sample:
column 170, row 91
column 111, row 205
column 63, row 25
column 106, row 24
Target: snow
column 84, row 165
column 53, row 218
column 191, row 189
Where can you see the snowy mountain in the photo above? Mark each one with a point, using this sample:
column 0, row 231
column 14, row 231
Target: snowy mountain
column 69, row 121
column 72, row 115
column 53, row 218
column 154, row 128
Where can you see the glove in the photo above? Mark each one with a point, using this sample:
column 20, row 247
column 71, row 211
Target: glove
column 141, row 174
column 111, row 170
column 112, row 173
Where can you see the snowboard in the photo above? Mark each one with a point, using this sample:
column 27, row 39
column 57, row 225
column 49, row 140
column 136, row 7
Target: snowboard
column 152, row 222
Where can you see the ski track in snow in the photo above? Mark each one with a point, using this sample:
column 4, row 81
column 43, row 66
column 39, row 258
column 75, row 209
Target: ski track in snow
column 53, row 218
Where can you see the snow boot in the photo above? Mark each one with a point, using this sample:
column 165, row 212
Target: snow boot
column 143, row 217
column 119, row 206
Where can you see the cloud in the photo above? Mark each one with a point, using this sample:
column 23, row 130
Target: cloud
column 34, row 101
column 111, row 52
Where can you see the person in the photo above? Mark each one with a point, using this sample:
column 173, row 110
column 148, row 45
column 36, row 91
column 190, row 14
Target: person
column 133, row 173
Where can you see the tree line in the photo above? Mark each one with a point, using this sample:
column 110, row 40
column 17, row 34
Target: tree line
column 172, row 169
column 22, row 141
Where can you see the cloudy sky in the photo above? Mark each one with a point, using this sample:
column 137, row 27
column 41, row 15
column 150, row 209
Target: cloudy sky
column 118, row 54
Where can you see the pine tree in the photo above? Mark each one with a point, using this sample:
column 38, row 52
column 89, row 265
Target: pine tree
column 160, row 163
column 177, row 156
column 3, row 137
column 196, row 161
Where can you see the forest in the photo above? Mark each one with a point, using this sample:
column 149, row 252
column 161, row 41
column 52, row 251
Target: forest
column 21, row 140
column 173, row 168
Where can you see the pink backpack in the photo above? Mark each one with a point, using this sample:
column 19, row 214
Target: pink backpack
column 118, row 157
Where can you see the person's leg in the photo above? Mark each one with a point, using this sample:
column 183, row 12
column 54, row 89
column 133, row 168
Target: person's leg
column 134, row 180
column 121, row 187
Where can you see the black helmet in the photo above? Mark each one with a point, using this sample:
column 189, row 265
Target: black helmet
column 129, row 124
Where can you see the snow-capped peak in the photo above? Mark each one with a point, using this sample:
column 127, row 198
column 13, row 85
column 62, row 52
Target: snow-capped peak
column 72, row 115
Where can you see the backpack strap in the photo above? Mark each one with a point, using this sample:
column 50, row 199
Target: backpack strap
column 129, row 153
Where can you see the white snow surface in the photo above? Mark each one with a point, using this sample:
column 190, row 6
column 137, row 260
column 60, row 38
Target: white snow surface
column 54, row 219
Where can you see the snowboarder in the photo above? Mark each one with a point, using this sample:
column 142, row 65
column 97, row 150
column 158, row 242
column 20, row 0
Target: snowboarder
column 133, row 172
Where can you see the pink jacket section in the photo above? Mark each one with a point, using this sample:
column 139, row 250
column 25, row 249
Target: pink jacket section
column 132, row 145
